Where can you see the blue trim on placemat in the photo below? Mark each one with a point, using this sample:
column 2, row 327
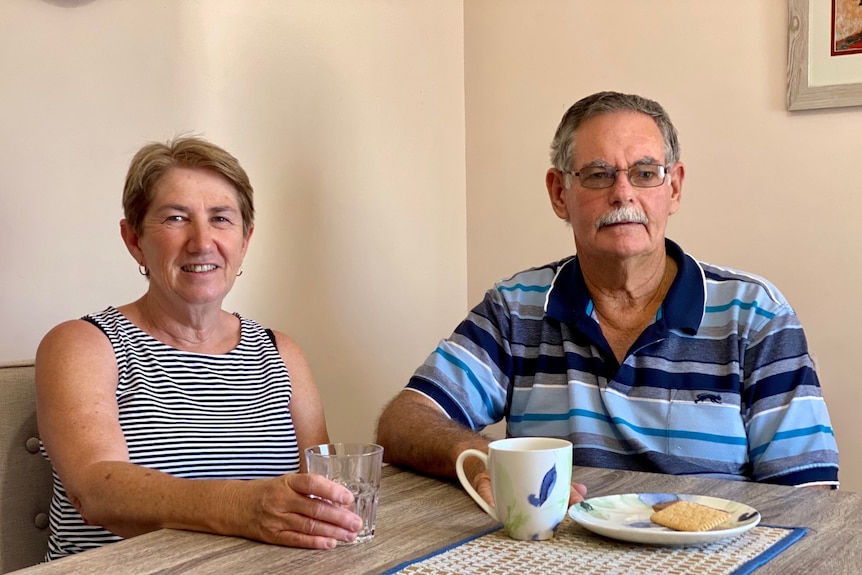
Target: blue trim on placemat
column 796, row 533
column 439, row 551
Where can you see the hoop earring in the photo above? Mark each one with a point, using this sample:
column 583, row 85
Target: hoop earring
column 239, row 273
column 142, row 269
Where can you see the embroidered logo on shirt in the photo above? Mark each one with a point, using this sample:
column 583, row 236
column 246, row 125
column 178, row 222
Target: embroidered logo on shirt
column 708, row 397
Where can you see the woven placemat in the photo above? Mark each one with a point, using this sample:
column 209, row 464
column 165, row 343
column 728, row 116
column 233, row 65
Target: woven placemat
column 576, row 550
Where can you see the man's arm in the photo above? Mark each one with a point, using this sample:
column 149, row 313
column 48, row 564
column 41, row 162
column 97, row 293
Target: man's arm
column 791, row 440
column 415, row 433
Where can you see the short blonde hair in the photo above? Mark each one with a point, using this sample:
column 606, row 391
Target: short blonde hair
column 153, row 161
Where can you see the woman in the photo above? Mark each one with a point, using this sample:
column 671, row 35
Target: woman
column 169, row 411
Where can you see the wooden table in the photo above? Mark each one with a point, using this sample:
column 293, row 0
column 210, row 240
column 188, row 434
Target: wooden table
column 419, row 515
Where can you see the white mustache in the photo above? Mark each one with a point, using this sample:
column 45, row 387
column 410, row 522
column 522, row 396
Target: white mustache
column 623, row 215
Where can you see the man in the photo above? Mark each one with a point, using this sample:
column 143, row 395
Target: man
column 641, row 356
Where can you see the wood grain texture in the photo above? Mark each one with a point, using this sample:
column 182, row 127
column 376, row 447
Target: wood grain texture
column 419, row 515
column 801, row 95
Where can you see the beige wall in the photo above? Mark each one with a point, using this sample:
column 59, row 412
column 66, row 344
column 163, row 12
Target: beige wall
column 350, row 117
column 767, row 191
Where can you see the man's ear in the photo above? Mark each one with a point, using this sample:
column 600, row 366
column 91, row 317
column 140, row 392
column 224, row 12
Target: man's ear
column 555, row 182
column 677, row 175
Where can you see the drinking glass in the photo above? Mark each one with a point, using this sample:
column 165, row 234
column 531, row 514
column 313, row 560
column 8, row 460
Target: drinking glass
column 357, row 466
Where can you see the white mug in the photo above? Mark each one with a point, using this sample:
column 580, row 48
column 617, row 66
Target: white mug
column 531, row 481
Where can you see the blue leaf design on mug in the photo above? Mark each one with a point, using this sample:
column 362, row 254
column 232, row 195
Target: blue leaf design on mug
column 547, row 485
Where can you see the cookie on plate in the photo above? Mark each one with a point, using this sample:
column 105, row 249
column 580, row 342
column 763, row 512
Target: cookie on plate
column 688, row 516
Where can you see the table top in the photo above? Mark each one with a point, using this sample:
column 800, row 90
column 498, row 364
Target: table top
column 419, row 515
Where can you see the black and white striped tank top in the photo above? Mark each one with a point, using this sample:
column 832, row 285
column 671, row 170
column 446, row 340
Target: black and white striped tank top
column 190, row 415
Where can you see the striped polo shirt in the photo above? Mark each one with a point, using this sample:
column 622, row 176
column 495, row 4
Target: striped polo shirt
column 190, row 415
column 719, row 385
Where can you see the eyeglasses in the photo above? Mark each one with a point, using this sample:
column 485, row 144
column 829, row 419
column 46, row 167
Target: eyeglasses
column 639, row 175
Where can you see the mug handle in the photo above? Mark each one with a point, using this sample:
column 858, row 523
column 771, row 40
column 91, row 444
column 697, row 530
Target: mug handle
column 468, row 487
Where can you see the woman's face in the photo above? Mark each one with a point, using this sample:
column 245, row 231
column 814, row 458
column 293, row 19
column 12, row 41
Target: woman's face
column 192, row 237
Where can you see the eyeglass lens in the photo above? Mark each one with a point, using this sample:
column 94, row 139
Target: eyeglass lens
column 639, row 175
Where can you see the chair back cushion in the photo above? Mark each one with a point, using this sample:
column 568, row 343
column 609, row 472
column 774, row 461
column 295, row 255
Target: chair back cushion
column 25, row 476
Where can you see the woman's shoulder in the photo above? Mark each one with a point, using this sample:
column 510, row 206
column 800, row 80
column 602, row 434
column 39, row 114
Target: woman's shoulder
column 253, row 328
column 285, row 342
column 72, row 343
column 86, row 327
column 287, row 347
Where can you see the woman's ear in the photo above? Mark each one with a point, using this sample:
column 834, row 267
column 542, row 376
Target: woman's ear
column 132, row 241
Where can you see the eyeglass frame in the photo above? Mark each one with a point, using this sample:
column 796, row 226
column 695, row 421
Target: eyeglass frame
column 616, row 171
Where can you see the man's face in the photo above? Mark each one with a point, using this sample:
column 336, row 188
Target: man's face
column 617, row 140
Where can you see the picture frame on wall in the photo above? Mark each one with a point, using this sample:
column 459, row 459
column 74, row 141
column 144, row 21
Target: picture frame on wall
column 821, row 71
column 846, row 27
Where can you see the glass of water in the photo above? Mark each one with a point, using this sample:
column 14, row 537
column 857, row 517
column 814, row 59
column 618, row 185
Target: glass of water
column 357, row 466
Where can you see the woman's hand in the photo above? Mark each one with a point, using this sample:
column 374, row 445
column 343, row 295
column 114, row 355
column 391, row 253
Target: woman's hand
column 302, row 510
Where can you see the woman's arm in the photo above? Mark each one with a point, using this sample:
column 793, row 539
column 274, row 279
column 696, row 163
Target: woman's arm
column 76, row 379
column 306, row 407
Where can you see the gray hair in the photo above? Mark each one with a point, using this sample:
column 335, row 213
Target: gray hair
column 604, row 103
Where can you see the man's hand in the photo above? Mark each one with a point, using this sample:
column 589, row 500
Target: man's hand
column 579, row 491
column 482, row 485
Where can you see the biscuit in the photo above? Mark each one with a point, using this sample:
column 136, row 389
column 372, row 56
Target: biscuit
column 688, row 516
column 663, row 504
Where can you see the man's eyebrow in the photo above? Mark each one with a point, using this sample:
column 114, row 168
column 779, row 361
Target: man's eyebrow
column 648, row 160
column 645, row 160
column 596, row 164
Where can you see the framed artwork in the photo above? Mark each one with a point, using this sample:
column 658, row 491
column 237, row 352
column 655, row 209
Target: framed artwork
column 846, row 27
column 824, row 54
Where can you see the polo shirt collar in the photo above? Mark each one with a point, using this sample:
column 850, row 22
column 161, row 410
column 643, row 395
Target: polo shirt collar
column 683, row 307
